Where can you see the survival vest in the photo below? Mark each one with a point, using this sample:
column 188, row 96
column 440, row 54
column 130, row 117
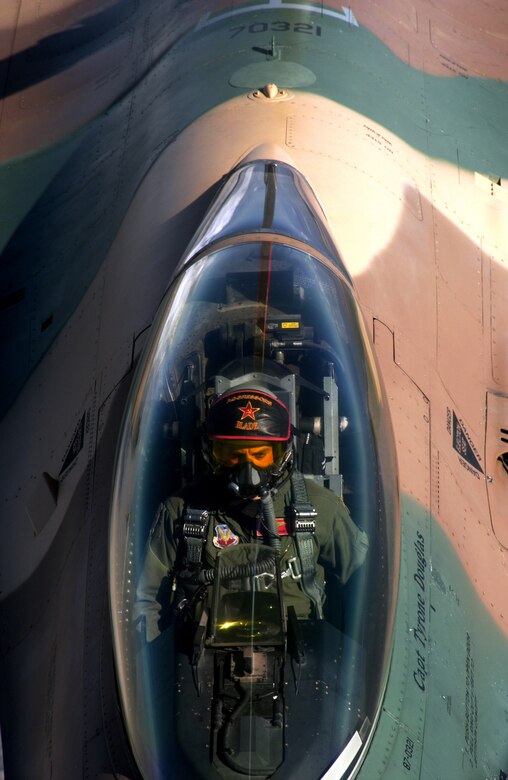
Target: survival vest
column 302, row 528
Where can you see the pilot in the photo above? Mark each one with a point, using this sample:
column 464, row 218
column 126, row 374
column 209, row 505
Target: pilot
column 252, row 492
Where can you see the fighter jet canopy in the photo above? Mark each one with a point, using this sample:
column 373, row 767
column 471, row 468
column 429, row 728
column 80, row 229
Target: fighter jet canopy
column 264, row 197
column 242, row 683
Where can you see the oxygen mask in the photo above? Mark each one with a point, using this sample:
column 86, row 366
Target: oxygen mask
column 250, row 465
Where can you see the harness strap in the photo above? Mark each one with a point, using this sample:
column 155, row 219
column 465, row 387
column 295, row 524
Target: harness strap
column 195, row 527
column 304, row 527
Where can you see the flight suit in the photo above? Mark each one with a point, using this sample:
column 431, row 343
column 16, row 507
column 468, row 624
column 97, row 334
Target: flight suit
column 339, row 546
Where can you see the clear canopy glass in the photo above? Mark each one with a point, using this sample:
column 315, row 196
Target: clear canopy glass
column 266, row 197
column 249, row 685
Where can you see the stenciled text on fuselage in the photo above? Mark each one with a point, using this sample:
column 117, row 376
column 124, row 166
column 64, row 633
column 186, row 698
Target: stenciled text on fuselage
column 420, row 628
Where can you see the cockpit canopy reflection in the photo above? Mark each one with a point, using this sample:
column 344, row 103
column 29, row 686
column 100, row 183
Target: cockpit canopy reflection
column 222, row 676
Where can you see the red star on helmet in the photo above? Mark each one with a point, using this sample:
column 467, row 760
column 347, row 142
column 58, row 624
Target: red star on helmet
column 248, row 411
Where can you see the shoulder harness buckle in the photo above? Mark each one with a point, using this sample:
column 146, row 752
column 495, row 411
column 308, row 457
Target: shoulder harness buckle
column 303, row 517
column 195, row 526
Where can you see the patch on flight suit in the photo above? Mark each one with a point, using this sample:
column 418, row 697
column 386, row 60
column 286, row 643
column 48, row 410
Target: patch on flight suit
column 282, row 528
column 224, row 536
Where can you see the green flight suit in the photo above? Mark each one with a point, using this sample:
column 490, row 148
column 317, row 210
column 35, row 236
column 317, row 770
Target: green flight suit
column 339, row 546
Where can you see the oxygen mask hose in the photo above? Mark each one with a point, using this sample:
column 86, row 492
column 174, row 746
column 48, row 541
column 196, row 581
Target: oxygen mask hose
column 269, row 519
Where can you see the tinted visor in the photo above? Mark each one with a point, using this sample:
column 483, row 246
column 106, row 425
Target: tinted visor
column 261, row 454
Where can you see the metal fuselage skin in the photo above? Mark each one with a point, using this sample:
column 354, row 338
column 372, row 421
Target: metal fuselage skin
column 116, row 130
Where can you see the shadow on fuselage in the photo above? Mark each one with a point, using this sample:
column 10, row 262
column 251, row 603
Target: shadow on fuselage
column 58, row 52
column 58, row 681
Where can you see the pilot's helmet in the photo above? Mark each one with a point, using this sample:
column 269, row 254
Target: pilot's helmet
column 249, row 440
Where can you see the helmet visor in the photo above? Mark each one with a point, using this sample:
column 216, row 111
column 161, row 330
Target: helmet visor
column 261, row 454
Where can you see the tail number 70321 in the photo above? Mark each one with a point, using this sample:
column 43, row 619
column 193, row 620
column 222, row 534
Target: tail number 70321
column 279, row 26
